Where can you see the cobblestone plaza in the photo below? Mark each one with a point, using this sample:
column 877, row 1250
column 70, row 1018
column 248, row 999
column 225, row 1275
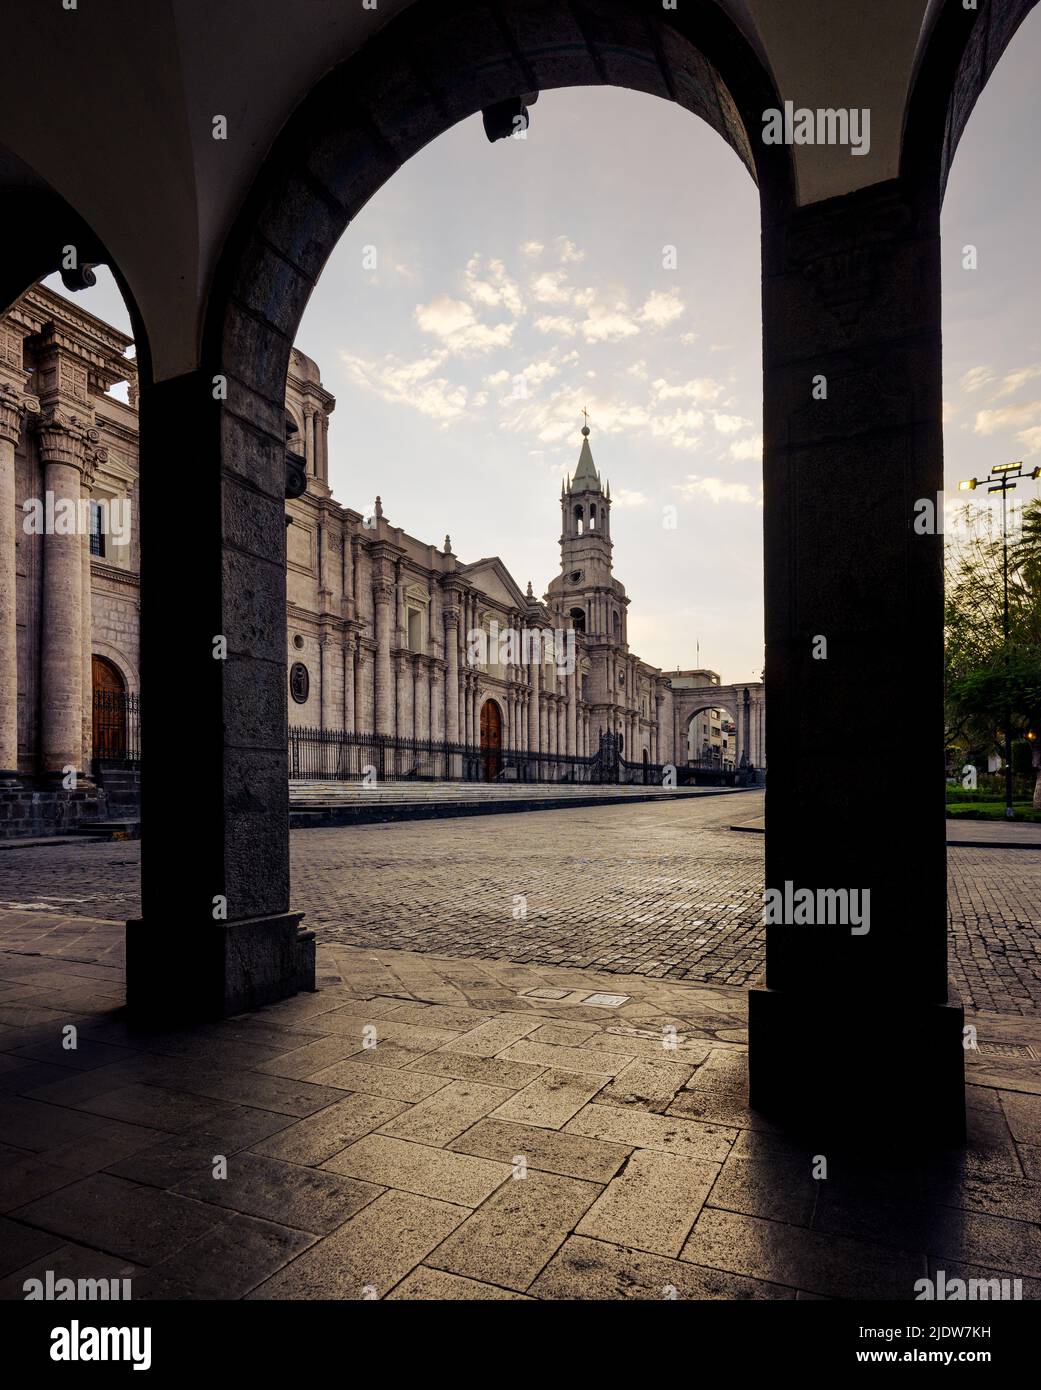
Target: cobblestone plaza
column 668, row 891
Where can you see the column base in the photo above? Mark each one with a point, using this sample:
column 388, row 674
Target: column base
column 880, row 1071
column 216, row 970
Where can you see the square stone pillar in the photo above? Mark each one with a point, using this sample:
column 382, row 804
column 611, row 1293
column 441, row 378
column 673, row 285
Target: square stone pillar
column 855, row 1030
column 216, row 935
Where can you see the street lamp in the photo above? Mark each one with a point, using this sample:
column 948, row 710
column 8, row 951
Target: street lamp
column 1003, row 479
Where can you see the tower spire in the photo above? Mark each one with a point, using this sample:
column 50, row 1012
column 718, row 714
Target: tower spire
column 586, row 478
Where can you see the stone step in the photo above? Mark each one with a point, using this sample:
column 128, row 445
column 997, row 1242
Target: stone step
column 110, row 830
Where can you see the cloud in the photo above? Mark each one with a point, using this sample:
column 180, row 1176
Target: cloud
column 680, row 430
column 608, row 324
column 717, row 490
column 494, row 288
column 1014, row 380
column 661, row 308
column 532, row 376
column 551, row 287
column 568, row 251
column 531, row 250
column 458, row 327
column 1031, row 440
column 626, row 497
column 1007, row 418
column 976, row 378
column 730, row 424
column 409, row 383
column 557, row 323
column 701, row 389
column 743, row 449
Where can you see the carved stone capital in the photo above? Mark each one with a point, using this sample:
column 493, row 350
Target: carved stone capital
column 13, row 406
column 61, row 439
column 94, row 457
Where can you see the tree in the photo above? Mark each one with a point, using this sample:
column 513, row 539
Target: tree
column 982, row 678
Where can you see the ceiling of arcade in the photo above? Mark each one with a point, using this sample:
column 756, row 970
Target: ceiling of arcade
column 127, row 139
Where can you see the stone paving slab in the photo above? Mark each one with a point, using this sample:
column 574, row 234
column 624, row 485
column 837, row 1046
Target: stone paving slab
column 474, row 1145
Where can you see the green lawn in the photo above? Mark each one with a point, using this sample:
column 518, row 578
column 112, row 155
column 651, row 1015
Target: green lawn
column 991, row 810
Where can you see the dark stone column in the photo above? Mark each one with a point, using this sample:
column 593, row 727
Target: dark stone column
column 216, row 935
column 856, row 1032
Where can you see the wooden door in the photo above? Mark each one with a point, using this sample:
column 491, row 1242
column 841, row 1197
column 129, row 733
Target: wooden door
column 491, row 740
column 110, row 712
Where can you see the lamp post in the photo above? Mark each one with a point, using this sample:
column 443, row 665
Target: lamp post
column 1003, row 478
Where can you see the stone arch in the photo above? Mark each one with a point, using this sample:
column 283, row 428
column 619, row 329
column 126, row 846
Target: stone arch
column 39, row 224
column 690, row 713
column 123, row 665
column 432, row 66
column 954, row 64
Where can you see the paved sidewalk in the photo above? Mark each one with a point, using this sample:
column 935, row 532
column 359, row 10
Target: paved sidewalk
column 425, row 1128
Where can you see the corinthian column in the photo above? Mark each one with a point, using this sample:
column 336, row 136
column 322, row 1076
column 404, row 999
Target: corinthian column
column 61, row 452
column 451, row 616
column 92, row 456
column 12, row 407
column 349, row 719
column 383, row 595
column 533, row 708
column 422, row 703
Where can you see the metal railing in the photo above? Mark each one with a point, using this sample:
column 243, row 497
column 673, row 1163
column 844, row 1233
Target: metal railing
column 331, row 754
column 117, row 726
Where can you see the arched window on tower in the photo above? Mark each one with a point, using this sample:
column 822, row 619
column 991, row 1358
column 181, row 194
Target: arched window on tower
column 592, row 518
column 616, row 627
column 578, row 521
column 578, row 618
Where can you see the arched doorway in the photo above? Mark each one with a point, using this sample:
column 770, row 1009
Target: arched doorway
column 110, row 710
column 491, row 741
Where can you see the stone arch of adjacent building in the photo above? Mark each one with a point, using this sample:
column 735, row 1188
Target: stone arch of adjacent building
column 851, row 291
column 748, row 715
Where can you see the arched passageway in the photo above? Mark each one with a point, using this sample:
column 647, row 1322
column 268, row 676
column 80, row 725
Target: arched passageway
column 850, row 299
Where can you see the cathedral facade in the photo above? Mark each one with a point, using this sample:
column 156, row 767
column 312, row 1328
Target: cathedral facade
column 387, row 634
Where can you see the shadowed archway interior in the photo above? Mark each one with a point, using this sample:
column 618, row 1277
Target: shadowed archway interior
column 851, row 293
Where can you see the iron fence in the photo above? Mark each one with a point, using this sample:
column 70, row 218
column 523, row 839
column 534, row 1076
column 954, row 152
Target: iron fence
column 117, row 726
column 333, row 755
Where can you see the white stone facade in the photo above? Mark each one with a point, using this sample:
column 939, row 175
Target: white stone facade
column 384, row 630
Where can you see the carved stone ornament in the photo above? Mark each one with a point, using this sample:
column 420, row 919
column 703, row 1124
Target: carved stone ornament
column 299, row 682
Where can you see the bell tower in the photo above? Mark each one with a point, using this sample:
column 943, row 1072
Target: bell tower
column 585, row 584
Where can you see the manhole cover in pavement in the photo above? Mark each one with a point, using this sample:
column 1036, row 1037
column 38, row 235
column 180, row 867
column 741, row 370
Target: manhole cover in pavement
column 996, row 1049
column 610, row 1001
column 545, row 993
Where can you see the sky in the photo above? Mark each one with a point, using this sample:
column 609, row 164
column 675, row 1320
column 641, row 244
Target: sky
column 610, row 261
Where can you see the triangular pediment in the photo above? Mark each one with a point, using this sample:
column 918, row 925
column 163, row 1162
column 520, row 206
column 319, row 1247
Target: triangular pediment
column 492, row 577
